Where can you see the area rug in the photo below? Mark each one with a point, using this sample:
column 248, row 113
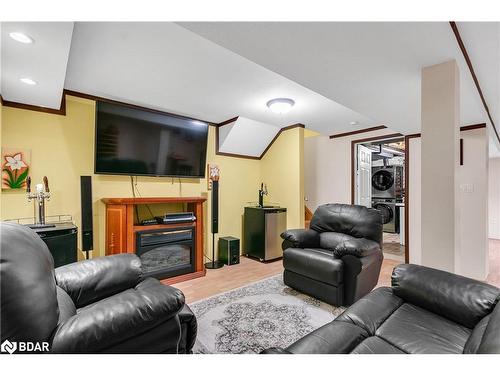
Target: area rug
column 258, row 316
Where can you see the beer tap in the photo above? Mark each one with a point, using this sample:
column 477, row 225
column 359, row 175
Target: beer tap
column 41, row 194
column 262, row 192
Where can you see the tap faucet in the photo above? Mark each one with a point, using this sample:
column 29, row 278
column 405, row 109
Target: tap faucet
column 262, row 192
column 41, row 194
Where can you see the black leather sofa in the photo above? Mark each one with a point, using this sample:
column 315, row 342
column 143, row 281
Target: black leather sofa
column 426, row 311
column 338, row 259
column 94, row 306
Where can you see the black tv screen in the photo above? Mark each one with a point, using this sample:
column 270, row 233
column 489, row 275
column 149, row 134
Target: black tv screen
column 138, row 142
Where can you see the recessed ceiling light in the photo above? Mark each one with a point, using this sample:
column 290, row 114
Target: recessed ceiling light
column 27, row 81
column 280, row 105
column 21, row 37
column 353, row 123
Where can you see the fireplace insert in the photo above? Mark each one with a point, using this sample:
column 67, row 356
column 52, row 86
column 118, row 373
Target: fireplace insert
column 166, row 253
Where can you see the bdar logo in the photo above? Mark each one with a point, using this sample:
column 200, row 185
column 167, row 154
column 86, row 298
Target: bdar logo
column 8, row 347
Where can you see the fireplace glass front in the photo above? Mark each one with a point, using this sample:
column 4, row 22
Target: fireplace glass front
column 166, row 252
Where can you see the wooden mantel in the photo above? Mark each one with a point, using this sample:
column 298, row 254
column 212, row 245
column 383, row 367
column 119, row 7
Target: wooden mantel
column 153, row 200
column 121, row 228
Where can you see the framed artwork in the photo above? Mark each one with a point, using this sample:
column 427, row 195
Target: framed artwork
column 15, row 168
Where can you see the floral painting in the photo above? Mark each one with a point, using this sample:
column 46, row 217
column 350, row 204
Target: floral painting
column 15, row 168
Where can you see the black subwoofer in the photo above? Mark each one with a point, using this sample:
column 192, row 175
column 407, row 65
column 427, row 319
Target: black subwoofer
column 229, row 250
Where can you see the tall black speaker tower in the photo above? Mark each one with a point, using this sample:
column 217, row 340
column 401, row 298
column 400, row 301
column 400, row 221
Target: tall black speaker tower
column 215, row 207
column 215, row 224
column 87, row 218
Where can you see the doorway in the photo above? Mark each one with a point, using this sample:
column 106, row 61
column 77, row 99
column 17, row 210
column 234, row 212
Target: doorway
column 379, row 182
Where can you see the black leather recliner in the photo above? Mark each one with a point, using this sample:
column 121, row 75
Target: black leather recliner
column 426, row 311
column 338, row 259
column 101, row 305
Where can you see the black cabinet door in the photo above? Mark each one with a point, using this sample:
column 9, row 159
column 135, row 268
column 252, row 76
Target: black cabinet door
column 62, row 246
column 254, row 232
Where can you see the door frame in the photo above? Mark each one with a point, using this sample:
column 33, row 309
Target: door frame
column 354, row 142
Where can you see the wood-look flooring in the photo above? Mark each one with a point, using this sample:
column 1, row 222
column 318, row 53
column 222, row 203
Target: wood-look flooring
column 392, row 248
column 249, row 271
column 228, row 277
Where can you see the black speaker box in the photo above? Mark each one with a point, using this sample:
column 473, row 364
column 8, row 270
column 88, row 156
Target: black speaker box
column 229, row 250
column 87, row 218
column 215, row 206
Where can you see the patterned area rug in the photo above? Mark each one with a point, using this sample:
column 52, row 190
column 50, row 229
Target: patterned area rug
column 258, row 316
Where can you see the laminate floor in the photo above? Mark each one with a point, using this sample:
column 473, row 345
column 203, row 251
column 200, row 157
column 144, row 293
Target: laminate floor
column 392, row 248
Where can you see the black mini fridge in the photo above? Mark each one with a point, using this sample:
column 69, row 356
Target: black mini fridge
column 262, row 229
column 61, row 240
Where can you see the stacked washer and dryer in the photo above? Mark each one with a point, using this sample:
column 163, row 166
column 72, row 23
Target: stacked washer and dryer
column 387, row 191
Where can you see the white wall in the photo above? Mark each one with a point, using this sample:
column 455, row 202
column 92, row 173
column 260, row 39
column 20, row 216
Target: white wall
column 472, row 258
column 440, row 116
column 328, row 179
column 494, row 198
column 327, row 168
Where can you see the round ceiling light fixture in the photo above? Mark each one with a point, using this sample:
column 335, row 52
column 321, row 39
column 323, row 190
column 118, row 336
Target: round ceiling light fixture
column 28, row 81
column 353, row 123
column 280, row 105
column 21, row 37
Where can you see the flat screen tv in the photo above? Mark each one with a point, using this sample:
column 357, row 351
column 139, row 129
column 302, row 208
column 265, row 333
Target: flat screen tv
column 139, row 142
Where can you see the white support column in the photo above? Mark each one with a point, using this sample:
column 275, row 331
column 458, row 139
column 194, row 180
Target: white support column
column 440, row 154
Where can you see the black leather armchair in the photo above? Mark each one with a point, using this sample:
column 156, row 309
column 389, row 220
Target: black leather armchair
column 426, row 311
column 101, row 305
column 338, row 259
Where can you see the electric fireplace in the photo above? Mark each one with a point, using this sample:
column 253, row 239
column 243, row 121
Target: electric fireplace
column 166, row 252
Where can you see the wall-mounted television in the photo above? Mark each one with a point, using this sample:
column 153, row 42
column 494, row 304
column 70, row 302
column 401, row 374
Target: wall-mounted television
column 138, row 142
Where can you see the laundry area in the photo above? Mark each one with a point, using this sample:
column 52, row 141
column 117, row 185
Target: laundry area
column 380, row 184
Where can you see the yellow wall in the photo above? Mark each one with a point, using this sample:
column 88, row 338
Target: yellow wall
column 1, row 162
column 62, row 148
column 283, row 172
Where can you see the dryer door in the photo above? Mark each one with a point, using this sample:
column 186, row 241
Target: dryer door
column 382, row 180
column 386, row 211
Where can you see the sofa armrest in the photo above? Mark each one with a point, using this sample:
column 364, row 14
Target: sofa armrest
column 490, row 342
column 275, row 351
column 360, row 275
column 189, row 330
column 300, row 238
column 358, row 247
column 332, row 338
column 102, row 325
column 463, row 300
column 92, row 280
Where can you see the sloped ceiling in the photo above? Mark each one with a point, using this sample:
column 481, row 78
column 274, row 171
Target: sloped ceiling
column 44, row 61
column 165, row 66
column 372, row 67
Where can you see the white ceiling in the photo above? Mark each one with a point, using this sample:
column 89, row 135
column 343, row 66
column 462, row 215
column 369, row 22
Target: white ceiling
column 216, row 71
column 372, row 67
column 44, row 61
